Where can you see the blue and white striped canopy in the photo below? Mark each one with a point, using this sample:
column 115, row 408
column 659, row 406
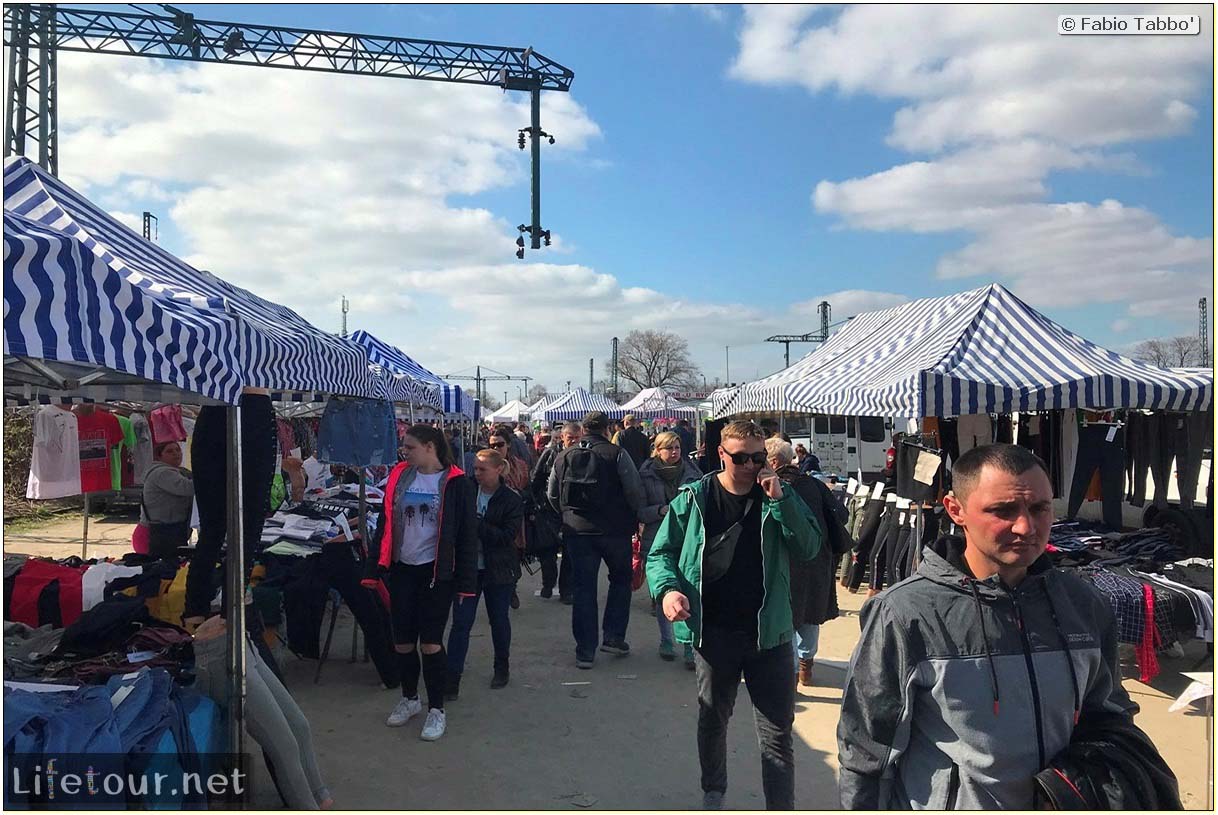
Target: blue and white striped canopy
column 656, row 403
column 82, row 287
column 980, row 351
column 456, row 401
column 534, row 410
column 575, row 405
column 413, row 382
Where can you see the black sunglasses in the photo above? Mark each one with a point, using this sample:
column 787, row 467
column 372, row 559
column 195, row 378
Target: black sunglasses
column 741, row 459
column 497, row 445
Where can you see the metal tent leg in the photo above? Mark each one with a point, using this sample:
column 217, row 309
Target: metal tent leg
column 235, row 575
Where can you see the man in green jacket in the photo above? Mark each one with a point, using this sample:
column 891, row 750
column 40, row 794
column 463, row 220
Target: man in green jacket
column 720, row 568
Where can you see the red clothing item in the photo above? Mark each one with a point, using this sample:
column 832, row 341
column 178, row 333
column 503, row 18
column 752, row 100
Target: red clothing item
column 98, row 433
column 166, row 424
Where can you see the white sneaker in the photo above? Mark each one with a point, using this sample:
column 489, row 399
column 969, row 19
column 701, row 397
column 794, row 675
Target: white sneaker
column 435, row 725
column 405, row 710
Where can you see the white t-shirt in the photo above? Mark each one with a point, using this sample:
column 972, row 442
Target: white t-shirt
column 317, row 475
column 416, row 513
column 55, row 463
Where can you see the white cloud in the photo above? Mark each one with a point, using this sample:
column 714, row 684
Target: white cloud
column 995, row 102
column 848, row 303
column 307, row 188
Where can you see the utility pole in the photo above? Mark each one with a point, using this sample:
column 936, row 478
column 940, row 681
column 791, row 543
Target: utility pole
column 1203, row 331
column 591, row 369
column 568, row 386
column 727, row 363
column 346, row 306
column 152, row 226
column 613, row 373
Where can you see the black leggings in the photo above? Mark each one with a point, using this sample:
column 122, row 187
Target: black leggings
column 872, row 513
column 209, row 457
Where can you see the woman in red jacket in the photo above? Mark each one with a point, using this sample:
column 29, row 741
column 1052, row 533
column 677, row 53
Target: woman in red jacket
column 426, row 550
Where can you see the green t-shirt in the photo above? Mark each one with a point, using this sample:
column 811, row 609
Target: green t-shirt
column 116, row 453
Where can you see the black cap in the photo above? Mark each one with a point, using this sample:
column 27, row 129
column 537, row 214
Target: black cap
column 595, row 420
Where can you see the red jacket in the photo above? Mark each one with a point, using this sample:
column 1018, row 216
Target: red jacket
column 456, row 540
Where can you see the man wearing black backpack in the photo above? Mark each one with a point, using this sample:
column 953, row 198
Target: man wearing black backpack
column 596, row 488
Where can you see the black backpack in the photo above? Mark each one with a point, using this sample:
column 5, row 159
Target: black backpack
column 584, row 480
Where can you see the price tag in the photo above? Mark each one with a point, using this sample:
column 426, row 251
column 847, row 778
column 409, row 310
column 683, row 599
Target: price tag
column 892, row 498
column 1111, row 433
column 903, row 503
column 877, row 491
column 852, row 486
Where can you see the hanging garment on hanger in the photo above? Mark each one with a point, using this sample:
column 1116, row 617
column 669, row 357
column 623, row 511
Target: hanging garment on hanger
column 974, row 430
column 1100, row 447
column 98, row 432
column 141, row 456
column 55, row 458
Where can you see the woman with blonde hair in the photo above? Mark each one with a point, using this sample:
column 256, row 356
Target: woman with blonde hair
column 662, row 475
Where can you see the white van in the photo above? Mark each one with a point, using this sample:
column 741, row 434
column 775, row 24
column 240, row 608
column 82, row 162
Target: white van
column 844, row 444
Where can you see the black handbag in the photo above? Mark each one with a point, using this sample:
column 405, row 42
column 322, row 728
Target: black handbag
column 721, row 549
column 164, row 539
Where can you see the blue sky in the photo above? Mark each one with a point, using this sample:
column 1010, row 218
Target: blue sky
column 694, row 179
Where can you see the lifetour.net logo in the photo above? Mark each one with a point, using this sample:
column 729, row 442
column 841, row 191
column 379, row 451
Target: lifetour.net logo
column 105, row 781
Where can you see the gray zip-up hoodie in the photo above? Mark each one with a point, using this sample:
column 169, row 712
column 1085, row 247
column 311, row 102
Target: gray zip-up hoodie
column 961, row 690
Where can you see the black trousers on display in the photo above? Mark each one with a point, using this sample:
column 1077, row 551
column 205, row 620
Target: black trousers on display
column 1095, row 451
column 209, row 457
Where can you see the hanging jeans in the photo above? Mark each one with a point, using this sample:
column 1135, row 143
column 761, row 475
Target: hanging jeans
column 1140, row 443
column 358, row 433
column 272, row 717
column 1191, row 437
column 1095, row 451
column 209, row 454
column 885, row 540
column 974, row 430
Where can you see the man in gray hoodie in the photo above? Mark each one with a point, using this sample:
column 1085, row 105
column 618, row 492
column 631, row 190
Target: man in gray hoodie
column 970, row 676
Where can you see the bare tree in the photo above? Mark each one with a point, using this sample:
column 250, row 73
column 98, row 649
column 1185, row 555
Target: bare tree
column 1173, row 352
column 1185, row 351
column 490, row 404
column 655, row 359
column 536, row 393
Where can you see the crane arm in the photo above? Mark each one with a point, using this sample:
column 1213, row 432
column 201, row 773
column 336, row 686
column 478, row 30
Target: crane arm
column 181, row 36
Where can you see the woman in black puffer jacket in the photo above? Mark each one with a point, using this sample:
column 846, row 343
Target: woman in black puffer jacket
column 500, row 514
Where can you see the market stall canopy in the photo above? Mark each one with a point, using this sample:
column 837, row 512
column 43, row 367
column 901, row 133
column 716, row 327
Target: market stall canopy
column 534, row 410
column 980, row 351
column 81, row 289
column 656, row 403
column 511, row 412
column 422, row 386
column 573, row 406
column 457, row 402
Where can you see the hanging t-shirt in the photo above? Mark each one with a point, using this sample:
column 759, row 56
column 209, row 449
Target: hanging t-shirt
column 167, row 424
column 119, row 475
column 99, row 432
column 189, row 425
column 141, row 456
column 416, row 519
column 55, row 463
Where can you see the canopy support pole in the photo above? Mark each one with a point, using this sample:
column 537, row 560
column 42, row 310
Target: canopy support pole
column 235, row 575
column 84, row 535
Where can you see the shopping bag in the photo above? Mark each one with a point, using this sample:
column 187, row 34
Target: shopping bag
column 638, row 578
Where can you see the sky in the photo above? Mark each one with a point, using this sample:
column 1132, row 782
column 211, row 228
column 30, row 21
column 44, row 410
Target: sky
column 717, row 171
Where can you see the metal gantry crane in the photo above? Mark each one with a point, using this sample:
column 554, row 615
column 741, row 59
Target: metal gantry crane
column 825, row 311
column 34, row 34
column 479, row 380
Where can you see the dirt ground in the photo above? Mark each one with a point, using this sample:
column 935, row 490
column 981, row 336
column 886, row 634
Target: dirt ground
column 621, row 736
